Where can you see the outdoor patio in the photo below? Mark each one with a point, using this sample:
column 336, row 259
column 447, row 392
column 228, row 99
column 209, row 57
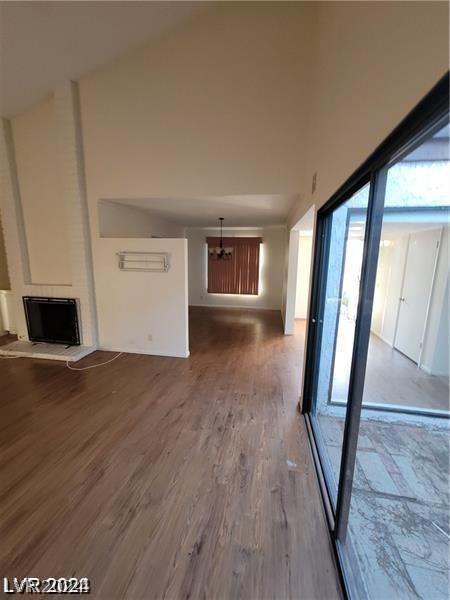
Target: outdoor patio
column 399, row 518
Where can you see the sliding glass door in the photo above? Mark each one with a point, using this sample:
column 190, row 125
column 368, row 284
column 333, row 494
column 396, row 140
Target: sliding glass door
column 343, row 244
column 397, row 541
column 376, row 390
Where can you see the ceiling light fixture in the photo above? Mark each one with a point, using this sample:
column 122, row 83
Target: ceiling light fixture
column 220, row 252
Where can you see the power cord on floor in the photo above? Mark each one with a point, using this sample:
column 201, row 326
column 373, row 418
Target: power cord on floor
column 68, row 363
column 92, row 366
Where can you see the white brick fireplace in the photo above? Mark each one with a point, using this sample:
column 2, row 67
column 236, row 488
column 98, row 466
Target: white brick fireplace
column 71, row 171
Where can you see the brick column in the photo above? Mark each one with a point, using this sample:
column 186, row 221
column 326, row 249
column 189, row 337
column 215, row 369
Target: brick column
column 13, row 224
column 71, row 169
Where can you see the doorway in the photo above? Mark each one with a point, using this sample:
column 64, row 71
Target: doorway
column 421, row 257
column 299, row 274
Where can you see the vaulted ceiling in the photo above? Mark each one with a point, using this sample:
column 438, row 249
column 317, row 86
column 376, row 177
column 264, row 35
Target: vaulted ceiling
column 44, row 43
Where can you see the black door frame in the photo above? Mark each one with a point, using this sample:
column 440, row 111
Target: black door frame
column 429, row 115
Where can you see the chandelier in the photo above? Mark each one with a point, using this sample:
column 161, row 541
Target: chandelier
column 220, row 252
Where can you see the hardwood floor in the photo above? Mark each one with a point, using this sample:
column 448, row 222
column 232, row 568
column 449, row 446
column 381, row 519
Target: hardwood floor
column 407, row 385
column 167, row 478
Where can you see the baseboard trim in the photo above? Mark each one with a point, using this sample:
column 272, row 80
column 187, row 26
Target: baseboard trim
column 133, row 351
column 234, row 307
column 383, row 339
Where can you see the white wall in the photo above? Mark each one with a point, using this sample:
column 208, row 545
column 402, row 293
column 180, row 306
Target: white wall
column 435, row 357
column 7, row 312
column 284, row 292
column 391, row 264
column 303, row 274
column 271, row 275
column 373, row 62
column 290, row 282
column 41, row 194
column 218, row 106
column 134, row 305
column 118, row 220
column 227, row 104
column 388, row 287
column 304, row 226
column 439, row 364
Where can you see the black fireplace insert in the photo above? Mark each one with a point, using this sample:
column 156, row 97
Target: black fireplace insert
column 53, row 320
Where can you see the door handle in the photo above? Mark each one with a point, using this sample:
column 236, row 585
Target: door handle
column 402, row 299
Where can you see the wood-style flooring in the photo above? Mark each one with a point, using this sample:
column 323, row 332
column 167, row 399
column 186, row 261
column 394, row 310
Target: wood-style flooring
column 391, row 378
column 167, row 478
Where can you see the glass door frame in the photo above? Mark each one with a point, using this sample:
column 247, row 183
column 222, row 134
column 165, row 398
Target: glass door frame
column 420, row 122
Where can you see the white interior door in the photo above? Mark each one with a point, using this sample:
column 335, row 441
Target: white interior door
column 418, row 279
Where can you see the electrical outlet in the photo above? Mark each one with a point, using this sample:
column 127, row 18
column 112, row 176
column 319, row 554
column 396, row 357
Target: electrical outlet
column 150, row 337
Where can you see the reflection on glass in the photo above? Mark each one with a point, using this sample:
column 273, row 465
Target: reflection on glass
column 410, row 314
column 397, row 543
column 346, row 227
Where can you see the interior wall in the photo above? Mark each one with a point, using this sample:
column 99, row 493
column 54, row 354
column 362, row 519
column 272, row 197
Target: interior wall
column 245, row 98
column 373, row 62
column 291, row 273
column 439, row 363
column 41, row 194
column 216, row 107
column 391, row 265
column 303, row 275
column 290, row 282
column 435, row 356
column 120, row 221
column 388, row 287
column 4, row 275
column 271, row 276
column 142, row 312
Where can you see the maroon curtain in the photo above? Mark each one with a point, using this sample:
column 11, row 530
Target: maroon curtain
column 240, row 274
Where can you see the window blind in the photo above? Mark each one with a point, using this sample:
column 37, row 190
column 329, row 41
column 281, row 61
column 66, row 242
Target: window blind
column 238, row 275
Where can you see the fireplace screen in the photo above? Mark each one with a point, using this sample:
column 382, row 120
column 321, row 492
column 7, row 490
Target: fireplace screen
column 52, row 320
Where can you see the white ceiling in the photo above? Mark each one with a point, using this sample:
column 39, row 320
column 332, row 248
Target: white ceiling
column 44, row 43
column 251, row 210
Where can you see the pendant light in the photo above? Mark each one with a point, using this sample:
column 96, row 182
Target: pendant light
column 221, row 253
